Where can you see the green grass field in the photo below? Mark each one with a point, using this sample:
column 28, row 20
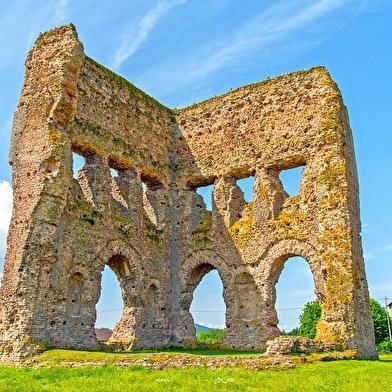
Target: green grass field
column 52, row 372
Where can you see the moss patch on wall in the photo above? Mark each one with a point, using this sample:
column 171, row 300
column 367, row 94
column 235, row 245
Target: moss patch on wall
column 242, row 231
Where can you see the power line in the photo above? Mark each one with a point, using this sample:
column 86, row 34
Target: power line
column 207, row 311
column 197, row 311
column 110, row 310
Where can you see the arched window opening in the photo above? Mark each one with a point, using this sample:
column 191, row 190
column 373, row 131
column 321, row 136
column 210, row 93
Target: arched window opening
column 209, row 309
column 246, row 185
column 110, row 305
column 291, row 180
column 78, row 162
column 294, row 289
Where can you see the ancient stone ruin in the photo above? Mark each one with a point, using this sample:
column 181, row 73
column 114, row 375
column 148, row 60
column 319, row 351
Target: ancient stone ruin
column 160, row 240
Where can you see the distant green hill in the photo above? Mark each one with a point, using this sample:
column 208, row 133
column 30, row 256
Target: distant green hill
column 201, row 328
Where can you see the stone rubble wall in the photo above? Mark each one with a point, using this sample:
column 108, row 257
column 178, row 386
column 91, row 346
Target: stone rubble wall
column 148, row 223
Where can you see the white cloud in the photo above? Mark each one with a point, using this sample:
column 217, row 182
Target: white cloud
column 5, row 216
column 134, row 38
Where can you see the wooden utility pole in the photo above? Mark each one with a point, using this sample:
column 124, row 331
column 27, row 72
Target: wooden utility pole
column 388, row 319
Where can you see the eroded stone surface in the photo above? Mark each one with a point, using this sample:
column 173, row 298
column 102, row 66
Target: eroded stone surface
column 161, row 241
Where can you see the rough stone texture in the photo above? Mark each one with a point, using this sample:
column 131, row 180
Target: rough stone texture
column 160, row 241
column 287, row 345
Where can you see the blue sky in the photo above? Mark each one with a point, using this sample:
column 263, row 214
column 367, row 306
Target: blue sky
column 184, row 51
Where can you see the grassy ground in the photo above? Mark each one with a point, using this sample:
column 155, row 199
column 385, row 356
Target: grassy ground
column 59, row 370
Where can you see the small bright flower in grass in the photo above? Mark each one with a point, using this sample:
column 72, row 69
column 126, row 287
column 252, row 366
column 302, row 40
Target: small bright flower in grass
column 162, row 380
column 223, row 380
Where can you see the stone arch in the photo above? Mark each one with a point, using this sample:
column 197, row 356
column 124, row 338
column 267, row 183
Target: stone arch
column 271, row 265
column 122, row 249
column 192, row 269
column 249, row 326
column 126, row 264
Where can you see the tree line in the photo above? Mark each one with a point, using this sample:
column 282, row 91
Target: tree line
column 309, row 318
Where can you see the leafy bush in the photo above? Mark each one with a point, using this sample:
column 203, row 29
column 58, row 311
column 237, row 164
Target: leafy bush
column 385, row 347
column 294, row 332
column 311, row 314
column 380, row 321
column 309, row 318
column 211, row 337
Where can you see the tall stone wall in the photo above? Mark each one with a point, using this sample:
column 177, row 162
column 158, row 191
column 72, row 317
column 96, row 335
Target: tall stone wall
column 151, row 227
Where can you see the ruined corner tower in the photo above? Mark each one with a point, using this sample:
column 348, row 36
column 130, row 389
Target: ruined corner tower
column 159, row 239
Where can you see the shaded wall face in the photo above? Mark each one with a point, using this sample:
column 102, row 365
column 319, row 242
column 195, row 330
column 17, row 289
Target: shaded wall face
column 71, row 227
column 116, row 120
column 115, row 126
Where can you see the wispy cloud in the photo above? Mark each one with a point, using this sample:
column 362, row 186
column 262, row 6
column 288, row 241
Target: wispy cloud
column 368, row 256
column 61, row 10
column 366, row 228
column 134, row 38
column 279, row 28
column 35, row 17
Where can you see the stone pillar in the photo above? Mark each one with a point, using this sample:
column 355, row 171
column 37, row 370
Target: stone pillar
column 253, row 323
column 155, row 203
column 130, row 186
column 94, row 179
column 229, row 200
column 269, row 196
column 39, row 154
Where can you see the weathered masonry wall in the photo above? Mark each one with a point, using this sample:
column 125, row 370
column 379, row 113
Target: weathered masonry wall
column 159, row 238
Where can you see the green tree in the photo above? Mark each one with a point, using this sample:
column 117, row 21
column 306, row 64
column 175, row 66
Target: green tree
column 309, row 318
column 211, row 337
column 294, row 332
column 311, row 314
column 380, row 321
